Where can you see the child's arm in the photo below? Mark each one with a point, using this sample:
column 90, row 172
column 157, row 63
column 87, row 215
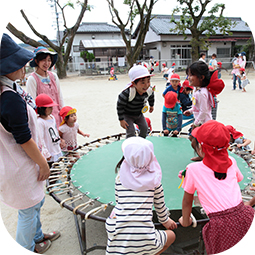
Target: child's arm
column 151, row 101
column 187, row 201
column 245, row 142
column 62, row 141
column 82, row 133
column 253, row 152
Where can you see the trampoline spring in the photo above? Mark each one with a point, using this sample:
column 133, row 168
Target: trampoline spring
column 96, row 210
column 73, row 199
column 59, row 189
column 83, row 206
column 57, row 184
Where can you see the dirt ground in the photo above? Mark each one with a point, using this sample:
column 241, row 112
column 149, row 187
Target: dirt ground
column 95, row 100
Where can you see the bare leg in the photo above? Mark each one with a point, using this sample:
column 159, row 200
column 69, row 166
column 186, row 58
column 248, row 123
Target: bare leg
column 169, row 241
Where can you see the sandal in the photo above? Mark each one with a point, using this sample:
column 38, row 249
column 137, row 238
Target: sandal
column 51, row 236
column 42, row 246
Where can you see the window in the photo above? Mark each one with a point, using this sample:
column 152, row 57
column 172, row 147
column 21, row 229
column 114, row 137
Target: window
column 223, row 52
column 76, row 48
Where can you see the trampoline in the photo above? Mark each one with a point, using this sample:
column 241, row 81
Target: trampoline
column 92, row 176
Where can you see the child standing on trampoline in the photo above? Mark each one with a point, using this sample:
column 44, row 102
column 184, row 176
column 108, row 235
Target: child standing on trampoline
column 132, row 101
column 69, row 128
column 137, row 188
column 206, row 85
column 48, row 132
column 216, row 181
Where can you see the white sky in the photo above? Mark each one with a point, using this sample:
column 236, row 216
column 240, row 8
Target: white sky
column 42, row 16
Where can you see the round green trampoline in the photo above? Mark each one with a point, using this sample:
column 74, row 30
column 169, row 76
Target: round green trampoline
column 94, row 173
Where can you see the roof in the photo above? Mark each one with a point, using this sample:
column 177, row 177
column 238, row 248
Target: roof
column 97, row 27
column 161, row 25
column 105, row 43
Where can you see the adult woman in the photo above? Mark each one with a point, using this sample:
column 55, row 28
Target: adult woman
column 23, row 168
column 44, row 81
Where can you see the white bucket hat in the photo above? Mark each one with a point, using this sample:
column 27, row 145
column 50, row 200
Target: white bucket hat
column 137, row 72
column 140, row 171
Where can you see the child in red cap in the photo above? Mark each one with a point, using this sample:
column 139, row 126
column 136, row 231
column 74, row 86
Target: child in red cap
column 216, row 181
column 69, row 128
column 174, row 84
column 184, row 96
column 50, row 139
column 171, row 115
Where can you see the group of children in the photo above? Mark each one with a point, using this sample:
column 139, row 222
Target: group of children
column 139, row 176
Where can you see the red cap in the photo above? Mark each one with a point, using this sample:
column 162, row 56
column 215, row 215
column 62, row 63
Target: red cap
column 170, row 99
column 65, row 111
column 214, row 138
column 185, row 84
column 175, row 76
column 43, row 100
column 242, row 69
column 233, row 132
column 164, row 64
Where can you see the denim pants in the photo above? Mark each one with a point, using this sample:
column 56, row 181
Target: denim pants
column 29, row 225
column 234, row 81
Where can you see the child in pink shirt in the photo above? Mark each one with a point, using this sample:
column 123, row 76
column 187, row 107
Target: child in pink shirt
column 69, row 128
column 216, row 181
column 206, row 85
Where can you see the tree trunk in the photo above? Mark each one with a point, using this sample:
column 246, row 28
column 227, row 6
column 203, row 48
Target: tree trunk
column 61, row 66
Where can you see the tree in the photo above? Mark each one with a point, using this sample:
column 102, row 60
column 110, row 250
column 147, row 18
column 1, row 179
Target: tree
column 192, row 19
column 68, row 36
column 143, row 11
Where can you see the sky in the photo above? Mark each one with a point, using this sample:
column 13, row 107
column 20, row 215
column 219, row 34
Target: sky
column 43, row 18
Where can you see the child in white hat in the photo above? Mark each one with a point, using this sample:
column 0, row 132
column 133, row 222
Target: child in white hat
column 132, row 101
column 137, row 188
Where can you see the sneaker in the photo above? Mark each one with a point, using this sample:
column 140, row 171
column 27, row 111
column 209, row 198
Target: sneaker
column 51, row 236
column 42, row 247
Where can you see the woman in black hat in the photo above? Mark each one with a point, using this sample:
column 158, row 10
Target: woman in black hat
column 23, row 169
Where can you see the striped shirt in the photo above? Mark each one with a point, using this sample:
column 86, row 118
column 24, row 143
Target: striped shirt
column 133, row 107
column 130, row 228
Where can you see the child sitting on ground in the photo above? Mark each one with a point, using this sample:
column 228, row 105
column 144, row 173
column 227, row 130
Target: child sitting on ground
column 138, row 187
column 132, row 101
column 216, row 181
column 69, row 128
column 175, row 84
column 171, row 115
column 238, row 138
column 48, row 133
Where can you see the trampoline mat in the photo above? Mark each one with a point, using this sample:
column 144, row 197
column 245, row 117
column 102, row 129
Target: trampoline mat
column 95, row 173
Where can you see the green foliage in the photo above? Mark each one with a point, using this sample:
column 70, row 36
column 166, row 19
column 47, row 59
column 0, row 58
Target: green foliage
column 87, row 56
column 192, row 19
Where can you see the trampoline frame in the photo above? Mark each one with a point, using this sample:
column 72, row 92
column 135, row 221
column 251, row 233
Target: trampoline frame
column 80, row 223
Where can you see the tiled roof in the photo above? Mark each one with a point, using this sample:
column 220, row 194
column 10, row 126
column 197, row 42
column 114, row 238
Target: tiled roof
column 160, row 24
column 97, row 27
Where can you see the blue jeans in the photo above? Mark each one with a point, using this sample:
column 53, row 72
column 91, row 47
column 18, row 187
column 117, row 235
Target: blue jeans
column 234, row 81
column 29, row 226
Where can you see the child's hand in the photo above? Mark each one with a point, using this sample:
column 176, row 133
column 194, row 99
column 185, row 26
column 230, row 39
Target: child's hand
column 124, row 124
column 170, row 224
column 185, row 224
column 62, row 143
column 180, row 174
column 175, row 132
column 240, row 145
column 187, row 113
column 166, row 131
column 253, row 152
column 86, row 135
column 151, row 109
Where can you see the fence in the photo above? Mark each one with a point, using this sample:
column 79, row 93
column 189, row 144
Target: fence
column 103, row 68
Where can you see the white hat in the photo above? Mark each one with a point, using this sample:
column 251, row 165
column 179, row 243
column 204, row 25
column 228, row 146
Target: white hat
column 140, row 171
column 137, row 72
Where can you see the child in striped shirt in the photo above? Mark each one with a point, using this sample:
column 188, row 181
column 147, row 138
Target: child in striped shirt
column 132, row 101
column 137, row 188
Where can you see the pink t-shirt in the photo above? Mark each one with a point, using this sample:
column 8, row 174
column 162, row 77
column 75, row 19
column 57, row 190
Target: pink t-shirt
column 214, row 195
column 70, row 136
column 201, row 106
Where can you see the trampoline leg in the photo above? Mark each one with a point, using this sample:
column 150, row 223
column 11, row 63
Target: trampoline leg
column 83, row 234
column 201, row 243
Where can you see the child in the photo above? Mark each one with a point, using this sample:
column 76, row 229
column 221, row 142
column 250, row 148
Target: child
column 48, row 129
column 202, row 57
column 69, row 128
column 213, row 63
column 184, row 95
column 207, row 85
column 216, row 181
column 170, row 72
column 235, row 71
column 164, row 71
column 44, row 81
column 137, row 188
column 112, row 75
column 175, row 84
column 171, row 115
column 132, row 101
column 238, row 138
column 244, row 80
